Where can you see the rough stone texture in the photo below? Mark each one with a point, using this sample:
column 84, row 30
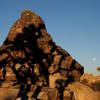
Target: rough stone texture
column 48, row 94
column 91, row 81
column 29, row 56
column 82, row 92
column 68, row 94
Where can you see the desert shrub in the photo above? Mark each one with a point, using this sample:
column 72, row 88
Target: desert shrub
column 98, row 69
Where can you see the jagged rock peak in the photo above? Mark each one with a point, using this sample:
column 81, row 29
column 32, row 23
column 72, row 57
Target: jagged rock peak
column 30, row 17
column 27, row 18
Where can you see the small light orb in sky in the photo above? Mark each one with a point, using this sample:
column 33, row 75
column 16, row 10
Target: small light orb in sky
column 93, row 59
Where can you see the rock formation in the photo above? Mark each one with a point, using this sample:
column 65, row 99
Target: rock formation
column 31, row 62
column 91, row 81
column 83, row 92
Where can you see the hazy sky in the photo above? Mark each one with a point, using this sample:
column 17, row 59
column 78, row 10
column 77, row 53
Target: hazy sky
column 73, row 24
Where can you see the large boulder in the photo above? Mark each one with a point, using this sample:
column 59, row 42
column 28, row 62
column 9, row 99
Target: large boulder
column 30, row 56
column 82, row 92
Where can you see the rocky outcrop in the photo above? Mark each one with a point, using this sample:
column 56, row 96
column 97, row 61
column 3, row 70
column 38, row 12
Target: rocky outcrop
column 91, row 81
column 82, row 92
column 30, row 57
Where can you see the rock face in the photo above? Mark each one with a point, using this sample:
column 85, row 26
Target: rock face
column 82, row 92
column 29, row 57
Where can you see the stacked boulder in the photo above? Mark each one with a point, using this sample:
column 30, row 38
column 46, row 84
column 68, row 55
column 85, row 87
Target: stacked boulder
column 30, row 60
